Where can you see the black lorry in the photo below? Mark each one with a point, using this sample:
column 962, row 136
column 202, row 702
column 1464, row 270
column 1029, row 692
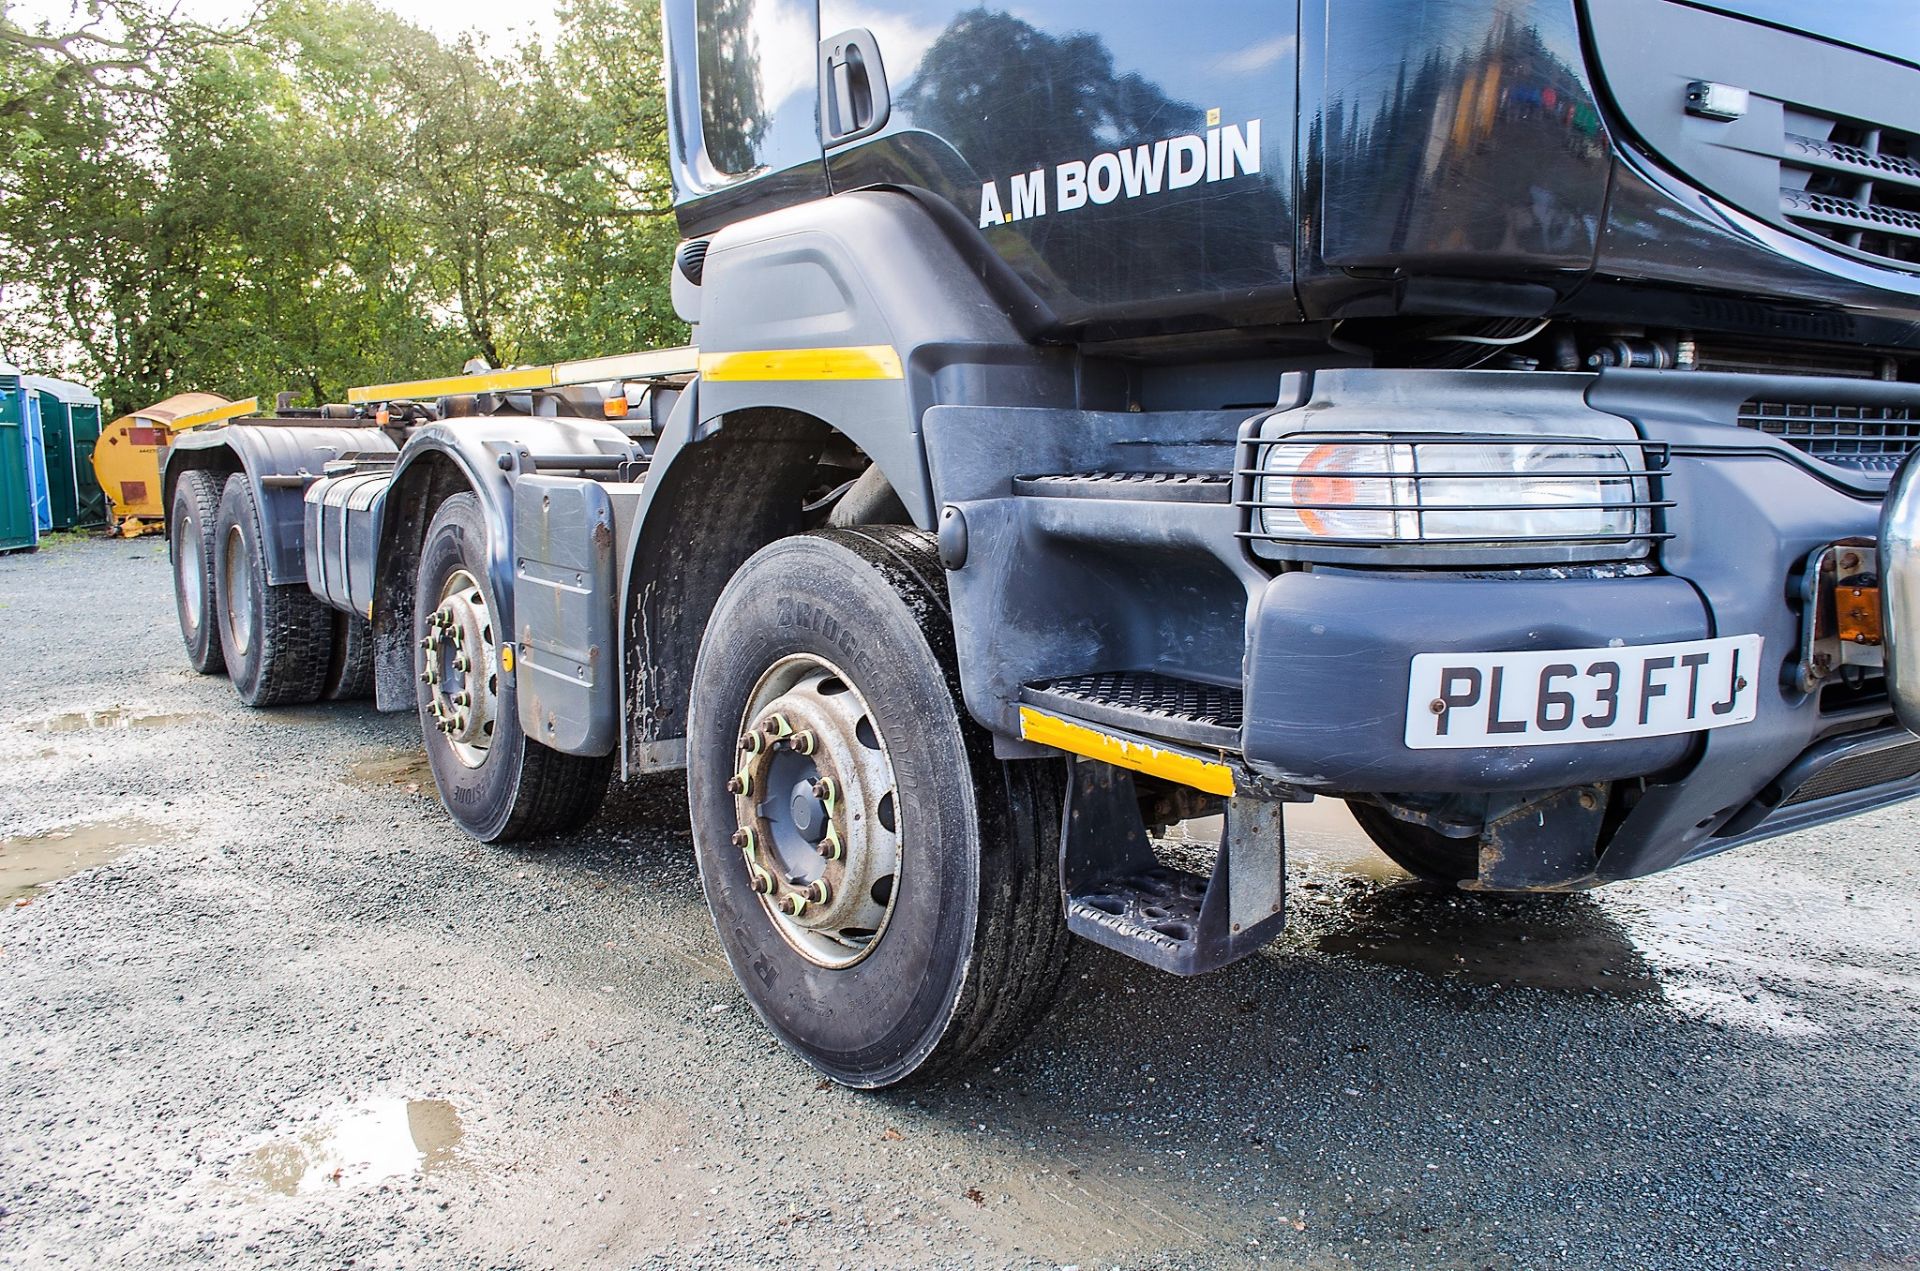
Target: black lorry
column 1492, row 413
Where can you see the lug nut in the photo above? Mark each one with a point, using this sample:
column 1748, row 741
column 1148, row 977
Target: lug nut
column 819, row 892
column 760, row 880
column 753, row 743
column 830, row 845
column 778, row 727
column 793, row 903
column 460, row 662
column 743, row 839
column 740, row 783
column 803, row 741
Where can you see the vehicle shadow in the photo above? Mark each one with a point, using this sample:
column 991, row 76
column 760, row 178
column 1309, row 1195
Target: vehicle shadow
column 1408, row 1076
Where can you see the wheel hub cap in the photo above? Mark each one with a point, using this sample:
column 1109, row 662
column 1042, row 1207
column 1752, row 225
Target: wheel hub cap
column 461, row 668
column 188, row 568
column 814, row 798
column 240, row 612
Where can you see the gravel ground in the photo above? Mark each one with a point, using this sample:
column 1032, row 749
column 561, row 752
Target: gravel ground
column 263, row 1006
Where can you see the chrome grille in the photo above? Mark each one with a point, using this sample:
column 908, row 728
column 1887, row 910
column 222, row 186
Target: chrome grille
column 1865, row 438
column 1855, row 184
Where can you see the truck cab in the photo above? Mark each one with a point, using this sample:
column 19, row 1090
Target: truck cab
column 1492, row 413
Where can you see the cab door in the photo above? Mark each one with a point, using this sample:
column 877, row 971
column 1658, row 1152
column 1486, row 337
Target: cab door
column 1131, row 161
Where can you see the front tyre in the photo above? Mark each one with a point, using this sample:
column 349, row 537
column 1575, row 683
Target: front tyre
column 885, row 890
column 497, row 784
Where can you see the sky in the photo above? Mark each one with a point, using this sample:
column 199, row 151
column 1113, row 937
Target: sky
column 501, row 22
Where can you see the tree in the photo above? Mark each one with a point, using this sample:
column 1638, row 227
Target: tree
column 330, row 196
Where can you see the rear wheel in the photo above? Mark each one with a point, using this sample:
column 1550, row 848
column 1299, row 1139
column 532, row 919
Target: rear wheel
column 497, row 783
column 1428, row 855
column 190, row 541
column 885, row 890
column 277, row 640
column 350, row 674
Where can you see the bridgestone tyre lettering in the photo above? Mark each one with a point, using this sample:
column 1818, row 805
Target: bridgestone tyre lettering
column 975, row 943
column 1429, row 856
column 522, row 789
column 277, row 641
column 190, row 542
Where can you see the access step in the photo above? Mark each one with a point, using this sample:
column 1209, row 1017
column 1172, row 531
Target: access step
column 1146, row 702
column 1119, row 895
column 1151, row 487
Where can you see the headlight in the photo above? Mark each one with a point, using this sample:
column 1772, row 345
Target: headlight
column 1381, row 491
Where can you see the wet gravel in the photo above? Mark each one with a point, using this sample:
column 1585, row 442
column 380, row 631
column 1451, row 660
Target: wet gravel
column 263, row 1007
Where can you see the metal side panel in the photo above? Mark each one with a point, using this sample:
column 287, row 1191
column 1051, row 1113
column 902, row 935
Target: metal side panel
column 342, row 537
column 565, row 668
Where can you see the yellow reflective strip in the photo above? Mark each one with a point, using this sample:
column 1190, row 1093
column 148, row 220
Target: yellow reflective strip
column 214, row 414
column 1048, row 730
column 455, row 385
column 868, row 362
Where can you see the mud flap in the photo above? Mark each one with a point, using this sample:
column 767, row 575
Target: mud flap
column 1117, row 894
column 564, row 665
column 1546, row 844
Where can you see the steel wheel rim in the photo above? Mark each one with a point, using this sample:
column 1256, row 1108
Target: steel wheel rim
column 239, row 575
column 461, row 668
column 189, row 574
column 816, row 802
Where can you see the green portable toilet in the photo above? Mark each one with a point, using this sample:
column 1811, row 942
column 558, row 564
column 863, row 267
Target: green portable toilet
column 17, row 528
column 70, row 421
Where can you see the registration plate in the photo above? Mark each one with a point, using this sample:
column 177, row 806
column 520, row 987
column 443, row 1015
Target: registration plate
column 1457, row 700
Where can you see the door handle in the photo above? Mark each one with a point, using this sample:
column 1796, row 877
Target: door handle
column 853, row 87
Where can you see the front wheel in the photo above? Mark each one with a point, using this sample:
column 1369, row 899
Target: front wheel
column 885, row 890
column 497, row 783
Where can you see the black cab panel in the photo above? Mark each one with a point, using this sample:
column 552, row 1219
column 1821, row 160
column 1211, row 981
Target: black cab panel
column 1128, row 168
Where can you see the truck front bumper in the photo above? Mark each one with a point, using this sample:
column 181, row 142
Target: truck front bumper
column 1329, row 650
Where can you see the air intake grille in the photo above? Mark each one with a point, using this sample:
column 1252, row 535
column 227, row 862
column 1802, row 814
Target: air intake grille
column 1858, row 772
column 1853, row 183
column 1865, row 438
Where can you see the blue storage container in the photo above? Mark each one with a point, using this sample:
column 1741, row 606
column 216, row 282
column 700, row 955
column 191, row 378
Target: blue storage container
column 70, row 424
column 36, row 441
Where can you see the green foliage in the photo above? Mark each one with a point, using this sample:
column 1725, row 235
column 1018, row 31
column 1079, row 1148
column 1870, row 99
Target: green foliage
column 327, row 196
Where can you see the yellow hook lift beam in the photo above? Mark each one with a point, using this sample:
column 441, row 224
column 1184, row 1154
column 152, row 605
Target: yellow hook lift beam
column 649, row 365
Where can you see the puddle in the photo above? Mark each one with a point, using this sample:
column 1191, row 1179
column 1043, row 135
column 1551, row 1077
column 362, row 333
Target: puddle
column 30, row 862
column 1567, row 944
column 361, row 1144
column 1322, row 838
column 111, row 717
column 406, row 769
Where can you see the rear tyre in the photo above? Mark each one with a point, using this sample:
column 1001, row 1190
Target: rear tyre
column 498, row 784
column 885, row 889
column 277, row 641
column 190, row 542
column 1429, row 856
column 350, row 672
